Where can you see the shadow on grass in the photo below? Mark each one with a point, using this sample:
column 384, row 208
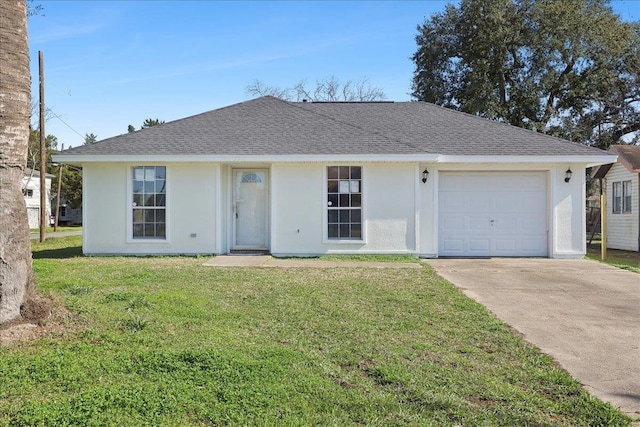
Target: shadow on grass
column 61, row 253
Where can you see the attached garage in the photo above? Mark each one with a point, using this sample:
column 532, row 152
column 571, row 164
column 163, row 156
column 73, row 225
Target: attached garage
column 492, row 214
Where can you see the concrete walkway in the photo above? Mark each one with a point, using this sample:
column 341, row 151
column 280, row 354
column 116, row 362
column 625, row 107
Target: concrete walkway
column 584, row 314
column 269, row 261
column 35, row 236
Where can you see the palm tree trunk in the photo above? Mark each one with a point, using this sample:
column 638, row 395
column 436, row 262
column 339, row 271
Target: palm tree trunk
column 17, row 281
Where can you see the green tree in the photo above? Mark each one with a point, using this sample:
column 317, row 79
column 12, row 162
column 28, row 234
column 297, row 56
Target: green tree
column 17, row 279
column 90, row 138
column 569, row 68
column 327, row 89
column 151, row 122
column 33, row 151
column 131, row 129
column 71, row 188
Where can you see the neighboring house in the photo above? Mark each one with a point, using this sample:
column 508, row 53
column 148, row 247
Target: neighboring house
column 67, row 214
column 31, row 192
column 622, row 188
column 303, row 178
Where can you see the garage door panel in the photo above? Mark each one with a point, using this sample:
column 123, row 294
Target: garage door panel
column 504, row 223
column 531, row 201
column 479, row 223
column 532, row 224
column 479, row 245
column 534, row 245
column 492, row 214
column 454, row 223
column 452, row 202
column 508, row 246
column 453, row 245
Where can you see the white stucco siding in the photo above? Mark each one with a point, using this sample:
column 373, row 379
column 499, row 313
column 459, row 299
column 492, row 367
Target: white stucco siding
column 298, row 204
column 190, row 210
column 296, row 209
column 104, row 193
column 622, row 228
column 568, row 210
column 428, row 206
column 390, row 207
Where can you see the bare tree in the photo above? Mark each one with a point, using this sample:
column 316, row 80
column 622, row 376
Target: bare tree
column 17, row 281
column 329, row 89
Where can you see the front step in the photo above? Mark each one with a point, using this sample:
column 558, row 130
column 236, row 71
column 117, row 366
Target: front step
column 249, row 252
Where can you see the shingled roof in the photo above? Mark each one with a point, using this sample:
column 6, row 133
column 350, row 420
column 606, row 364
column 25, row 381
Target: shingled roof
column 628, row 155
column 270, row 126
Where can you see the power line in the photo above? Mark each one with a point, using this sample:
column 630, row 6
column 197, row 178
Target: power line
column 65, row 123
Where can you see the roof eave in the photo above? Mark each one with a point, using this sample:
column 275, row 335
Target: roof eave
column 268, row 158
column 589, row 160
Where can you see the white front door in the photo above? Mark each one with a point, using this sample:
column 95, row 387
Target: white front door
column 492, row 214
column 250, row 192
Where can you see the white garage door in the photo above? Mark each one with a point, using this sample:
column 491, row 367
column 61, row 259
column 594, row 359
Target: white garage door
column 492, row 214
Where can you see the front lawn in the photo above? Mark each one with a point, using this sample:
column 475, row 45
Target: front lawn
column 166, row 341
column 60, row 228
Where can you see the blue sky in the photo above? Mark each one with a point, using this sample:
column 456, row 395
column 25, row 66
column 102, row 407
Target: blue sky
column 109, row 64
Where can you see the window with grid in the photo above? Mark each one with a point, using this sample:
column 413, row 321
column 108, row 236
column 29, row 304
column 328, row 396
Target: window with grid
column 626, row 196
column 617, row 197
column 149, row 202
column 344, row 202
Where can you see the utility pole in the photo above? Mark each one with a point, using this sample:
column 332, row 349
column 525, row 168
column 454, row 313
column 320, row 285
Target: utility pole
column 43, row 155
column 60, row 166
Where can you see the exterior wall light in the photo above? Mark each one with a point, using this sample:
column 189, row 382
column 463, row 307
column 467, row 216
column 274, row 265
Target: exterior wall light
column 425, row 175
column 567, row 175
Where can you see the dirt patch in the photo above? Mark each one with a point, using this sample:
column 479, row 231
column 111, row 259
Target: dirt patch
column 44, row 316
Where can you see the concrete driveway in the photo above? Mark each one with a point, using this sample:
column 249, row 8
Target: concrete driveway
column 584, row 314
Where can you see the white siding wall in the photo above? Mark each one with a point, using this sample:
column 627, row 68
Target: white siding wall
column 33, row 202
column 622, row 228
column 190, row 210
column 297, row 221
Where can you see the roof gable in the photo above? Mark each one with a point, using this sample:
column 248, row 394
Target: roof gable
column 270, row 126
column 628, row 156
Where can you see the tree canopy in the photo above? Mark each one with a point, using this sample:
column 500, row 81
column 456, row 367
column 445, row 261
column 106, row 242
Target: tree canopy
column 146, row 124
column 90, row 138
column 327, row 89
column 569, row 68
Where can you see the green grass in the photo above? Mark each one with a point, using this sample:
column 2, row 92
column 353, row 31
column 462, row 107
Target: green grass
column 60, row 228
column 626, row 260
column 166, row 341
column 363, row 258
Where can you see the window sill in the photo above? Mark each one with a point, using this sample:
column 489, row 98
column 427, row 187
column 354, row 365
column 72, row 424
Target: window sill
column 343, row 241
column 153, row 241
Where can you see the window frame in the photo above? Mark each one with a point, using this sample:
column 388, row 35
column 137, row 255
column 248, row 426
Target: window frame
column 130, row 238
column 621, row 200
column 616, row 197
column 325, row 208
column 626, row 198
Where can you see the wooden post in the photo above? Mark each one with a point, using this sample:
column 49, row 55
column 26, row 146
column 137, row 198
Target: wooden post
column 60, row 166
column 603, row 226
column 43, row 155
